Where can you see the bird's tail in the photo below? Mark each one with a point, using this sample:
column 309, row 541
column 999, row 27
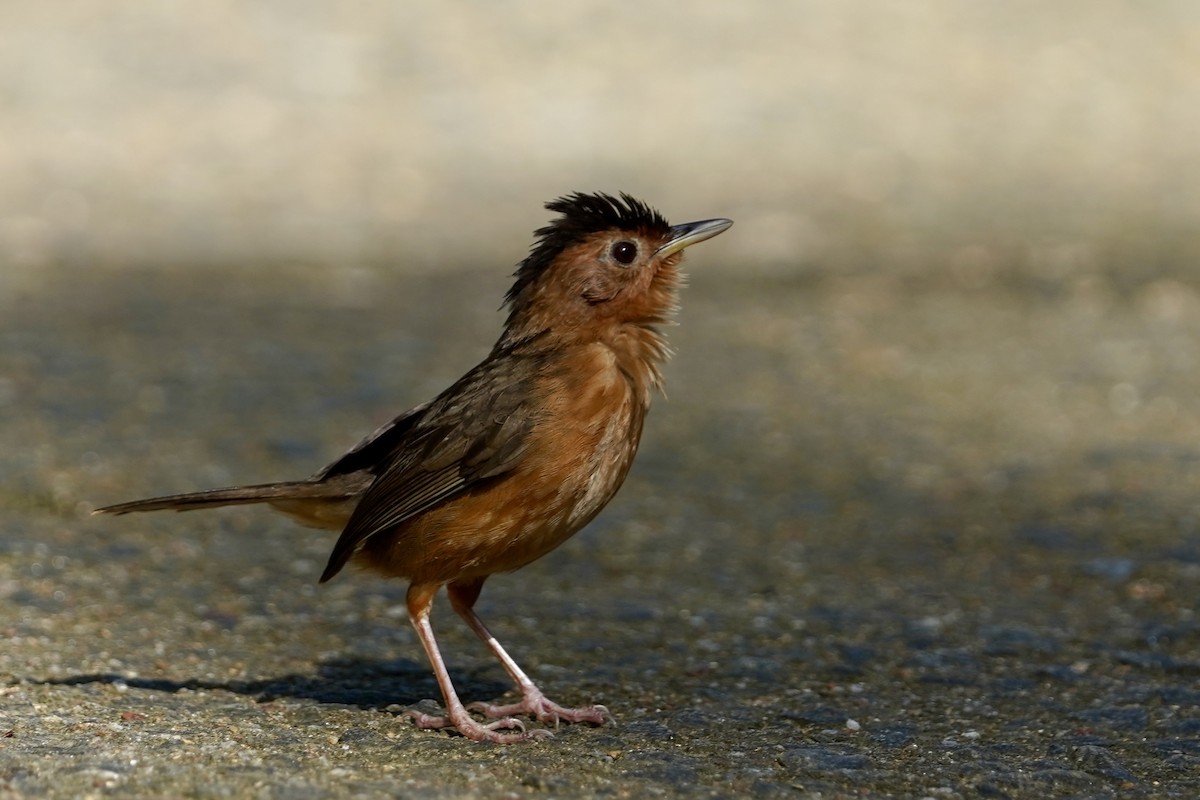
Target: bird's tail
column 233, row 496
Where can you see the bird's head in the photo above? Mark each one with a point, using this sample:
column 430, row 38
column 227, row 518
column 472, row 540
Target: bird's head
column 604, row 263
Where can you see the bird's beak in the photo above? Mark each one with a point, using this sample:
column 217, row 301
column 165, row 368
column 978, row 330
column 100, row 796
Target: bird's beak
column 689, row 233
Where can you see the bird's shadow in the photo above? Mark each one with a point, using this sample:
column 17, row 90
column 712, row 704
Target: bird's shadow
column 362, row 683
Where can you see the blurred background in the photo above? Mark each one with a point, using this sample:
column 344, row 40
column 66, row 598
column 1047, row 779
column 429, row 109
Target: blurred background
column 933, row 138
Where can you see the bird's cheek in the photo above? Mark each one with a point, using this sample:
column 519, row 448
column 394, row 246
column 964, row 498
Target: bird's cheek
column 599, row 289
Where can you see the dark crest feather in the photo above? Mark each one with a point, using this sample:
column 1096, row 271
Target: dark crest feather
column 581, row 215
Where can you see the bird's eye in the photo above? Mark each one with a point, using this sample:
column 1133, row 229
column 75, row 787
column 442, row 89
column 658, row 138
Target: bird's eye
column 624, row 252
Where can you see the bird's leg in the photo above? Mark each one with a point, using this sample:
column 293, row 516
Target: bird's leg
column 462, row 599
column 420, row 600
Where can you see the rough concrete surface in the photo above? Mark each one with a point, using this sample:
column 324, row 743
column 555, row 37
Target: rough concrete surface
column 883, row 540
column 919, row 518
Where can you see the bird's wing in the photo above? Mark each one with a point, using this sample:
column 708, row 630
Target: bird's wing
column 475, row 430
column 377, row 449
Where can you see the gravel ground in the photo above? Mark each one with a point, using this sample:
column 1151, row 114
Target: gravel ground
column 884, row 539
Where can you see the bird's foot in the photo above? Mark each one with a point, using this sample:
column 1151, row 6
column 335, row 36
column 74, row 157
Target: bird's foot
column 465, row 724
column 538, row 706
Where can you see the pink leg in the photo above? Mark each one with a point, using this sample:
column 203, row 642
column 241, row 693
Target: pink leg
column 420, row 600
column 462, row 598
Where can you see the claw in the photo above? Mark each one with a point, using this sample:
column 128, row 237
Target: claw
column 478, row 731
column 536, row 705
column 434, row 722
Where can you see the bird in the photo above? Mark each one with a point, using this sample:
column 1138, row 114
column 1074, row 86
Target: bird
column 516, row 456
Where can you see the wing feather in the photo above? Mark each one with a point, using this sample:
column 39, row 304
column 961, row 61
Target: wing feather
column 476, row 430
